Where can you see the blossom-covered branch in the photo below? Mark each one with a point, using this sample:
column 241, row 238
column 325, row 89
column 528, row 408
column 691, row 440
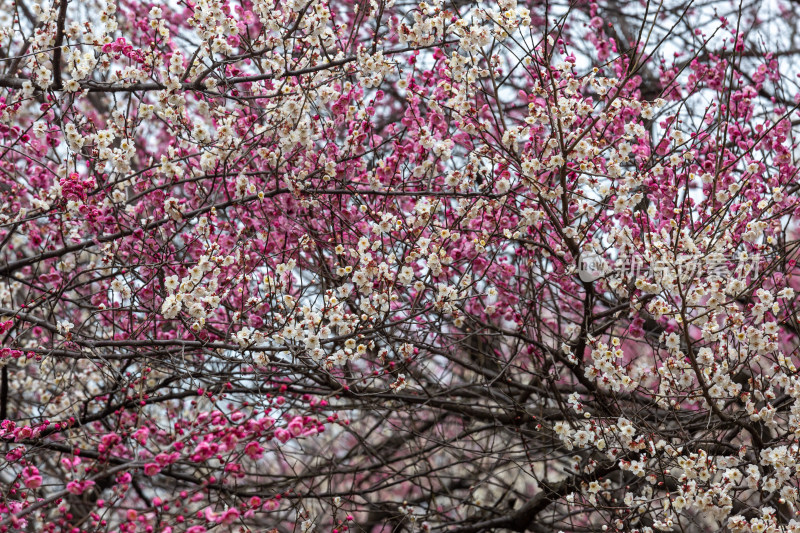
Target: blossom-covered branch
column 392, row 265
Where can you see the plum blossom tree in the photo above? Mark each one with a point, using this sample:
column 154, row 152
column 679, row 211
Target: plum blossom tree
column 389, row 265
